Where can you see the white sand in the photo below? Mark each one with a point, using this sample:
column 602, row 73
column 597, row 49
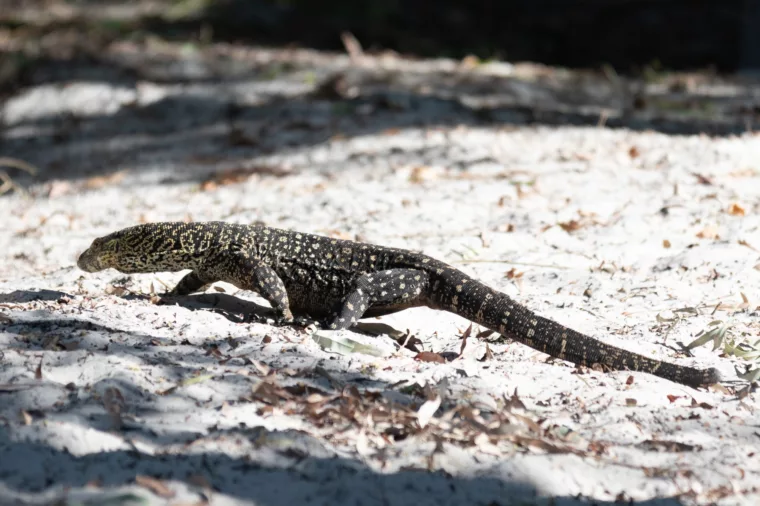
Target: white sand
column 95, row 419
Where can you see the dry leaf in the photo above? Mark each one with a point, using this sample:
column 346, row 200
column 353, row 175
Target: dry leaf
column 59, row 188
column 513, row 274
column 709, row 232
column 665, row 243
column 634, row 152
column 570, row 226
column 631, row 402
column 429, row 356
column 352, row 46
column 705, row 180
column 156, row 486
column 241, row 174
column 736, row 210
column 115, row 290
column 488, row 354
column 427, row 410
column 38, row 370
column 420, row 174
column 97, row 182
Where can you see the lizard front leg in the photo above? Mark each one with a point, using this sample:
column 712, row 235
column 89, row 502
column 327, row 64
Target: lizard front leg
column 250, row 273
column 192, row 282
column 383, row 291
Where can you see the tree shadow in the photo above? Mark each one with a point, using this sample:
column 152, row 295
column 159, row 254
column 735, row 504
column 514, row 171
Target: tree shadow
column 189, row 132
column 158, row 431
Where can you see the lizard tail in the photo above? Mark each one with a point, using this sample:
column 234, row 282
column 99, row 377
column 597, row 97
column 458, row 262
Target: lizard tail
column 497, row 311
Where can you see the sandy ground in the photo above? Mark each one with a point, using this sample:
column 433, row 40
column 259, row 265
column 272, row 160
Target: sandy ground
column 109, row 395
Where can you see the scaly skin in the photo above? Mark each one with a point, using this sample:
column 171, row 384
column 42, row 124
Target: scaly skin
column 339, row 282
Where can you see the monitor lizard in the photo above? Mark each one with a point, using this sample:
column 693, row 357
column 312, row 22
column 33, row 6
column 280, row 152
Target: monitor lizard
column 337, row 282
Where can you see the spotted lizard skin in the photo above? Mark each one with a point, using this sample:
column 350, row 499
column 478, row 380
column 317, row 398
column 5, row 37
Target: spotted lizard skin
column 338, row 282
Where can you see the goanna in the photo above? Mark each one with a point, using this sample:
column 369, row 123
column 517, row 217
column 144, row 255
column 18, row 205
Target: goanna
column 337, row 282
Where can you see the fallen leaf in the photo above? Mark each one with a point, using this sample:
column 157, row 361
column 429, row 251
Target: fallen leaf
column 241, row 174
column 429, row 356
column 634, row 152
column 705, row 180
column 665, row 243
column 736, row 210
column 427, row 410
column 156, row 486
column 570, row 226
column 98, row 182
column 513, row 274
column 709, row 232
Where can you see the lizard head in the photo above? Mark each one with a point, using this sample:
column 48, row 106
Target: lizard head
column 105, row 252
column 151, row 247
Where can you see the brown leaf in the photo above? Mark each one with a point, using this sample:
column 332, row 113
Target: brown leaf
column 705, row 180
column 629, row 380
column 465, row 335
column 241, row 174
column 429, row 356
column 38, row 371
column 261, row 367
column 631, row 402
column 421, row 174
column 667, row 446
column 98, row 182
column 156, row 486
column 513, row 401
column 570, row 226
column 513, row 274
column 736, row 210
column 634, row 152
column 488, row 355
column 484, row 333
column 703, row 405
column 665, row 243
column 115, row 290
column 672, row 398
column 742, row 242
column 709, row 232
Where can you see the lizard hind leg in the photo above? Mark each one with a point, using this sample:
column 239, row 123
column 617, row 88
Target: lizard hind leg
column 381, row 292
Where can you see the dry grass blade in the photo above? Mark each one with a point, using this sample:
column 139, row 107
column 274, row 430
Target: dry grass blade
column 18, row 164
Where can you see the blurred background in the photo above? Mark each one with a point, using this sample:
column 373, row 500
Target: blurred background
column 675, row 66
